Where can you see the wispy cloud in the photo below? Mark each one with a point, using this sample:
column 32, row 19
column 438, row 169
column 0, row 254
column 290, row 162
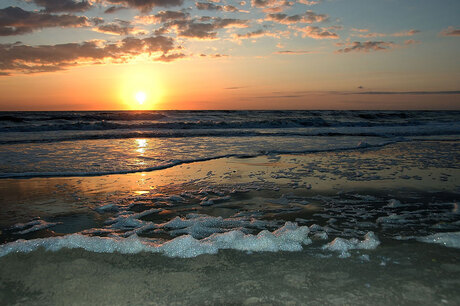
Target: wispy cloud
column 450, row 31
column 452, row 92
column 293, row 52
column 365, row 34
column 365, row 46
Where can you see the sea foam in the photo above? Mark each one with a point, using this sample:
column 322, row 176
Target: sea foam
column 289, row 237
column 451, row 239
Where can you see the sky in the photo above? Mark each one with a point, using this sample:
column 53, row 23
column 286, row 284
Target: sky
column 225, row 54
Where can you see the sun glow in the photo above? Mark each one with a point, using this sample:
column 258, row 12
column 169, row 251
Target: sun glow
column 141, row 97
column 140, row 88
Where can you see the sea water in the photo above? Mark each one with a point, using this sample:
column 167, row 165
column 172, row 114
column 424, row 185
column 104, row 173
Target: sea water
column 258, row 207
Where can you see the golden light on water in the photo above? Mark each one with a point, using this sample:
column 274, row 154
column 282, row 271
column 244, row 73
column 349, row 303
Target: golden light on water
column 141, row 145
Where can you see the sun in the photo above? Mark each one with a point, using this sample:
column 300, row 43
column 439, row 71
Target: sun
column 141, row 97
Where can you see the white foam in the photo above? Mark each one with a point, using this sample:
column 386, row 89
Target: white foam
column 32, row 226
column 451, row 239
column 106, row 208
column 290, row 237
column 393, row 203
column 200, row 226
column 343, row 246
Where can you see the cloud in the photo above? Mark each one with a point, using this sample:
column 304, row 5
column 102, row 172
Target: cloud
column 307, row 17
column 450, row 31
column 253, row 34
column 405, row 33
column 162, row 17
column 114, row 9
column 316, row 32
column 366, row 46
column 54, row 6
column 411, row 42
column 292, row 52
column 214, row 7
column 452, row 92
column 145, row 5
column 118, row 27
column 70, row 6
column 16, row 21
column 215, row 55
column 170, row 57
column 307, row 2
column 43, row 58
column 360, row 30
column 411, row 32
column 202, row 28
column 266, row 3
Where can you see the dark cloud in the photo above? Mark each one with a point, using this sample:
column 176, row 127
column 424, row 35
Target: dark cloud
column 253, row 34
column 114, row 9
column 215, row 7
column 307, row 17
column 266, row 3
column 208, row 6
column 16, row 21
column 450, row 31
column 162, row 17
column 170, row 57
column 145, row 5
column 202, row 28
column 29, row 59
column 366, row 46
column 118, row 27
column 54, row 6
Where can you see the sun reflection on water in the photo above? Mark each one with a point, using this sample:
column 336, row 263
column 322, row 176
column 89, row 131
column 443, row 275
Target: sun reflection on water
column 141, row 145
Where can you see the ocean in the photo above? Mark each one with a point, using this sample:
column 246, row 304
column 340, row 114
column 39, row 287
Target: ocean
column 230, row 207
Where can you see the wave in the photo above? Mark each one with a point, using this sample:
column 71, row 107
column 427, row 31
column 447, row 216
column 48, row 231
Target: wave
column 360, row 145
column 382, row 132
column 177, row 125
column 187, row 120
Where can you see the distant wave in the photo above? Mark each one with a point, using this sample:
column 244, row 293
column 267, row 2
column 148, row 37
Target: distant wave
column 187, row 120
column 378, row 131
column 248, row 124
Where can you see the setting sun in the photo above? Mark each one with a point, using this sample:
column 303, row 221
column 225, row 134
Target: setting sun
column 141, row 97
